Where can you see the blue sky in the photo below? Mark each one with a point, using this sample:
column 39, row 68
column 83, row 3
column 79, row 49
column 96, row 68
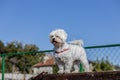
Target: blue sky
column 96, row 22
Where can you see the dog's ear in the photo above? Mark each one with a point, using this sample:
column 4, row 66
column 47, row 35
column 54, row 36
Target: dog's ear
column 62, row 34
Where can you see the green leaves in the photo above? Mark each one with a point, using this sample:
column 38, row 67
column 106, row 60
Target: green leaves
column 103, row 65
column 2, row 47
column 23, row 62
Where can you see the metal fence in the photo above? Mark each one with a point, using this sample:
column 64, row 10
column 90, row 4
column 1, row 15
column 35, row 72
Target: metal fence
column 105, row 57
column 101, row 58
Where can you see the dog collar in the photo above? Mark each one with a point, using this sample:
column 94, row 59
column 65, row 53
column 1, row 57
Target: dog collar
column 58, row 52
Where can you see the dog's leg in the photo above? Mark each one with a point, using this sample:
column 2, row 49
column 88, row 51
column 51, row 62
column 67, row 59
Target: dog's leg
column 76, row 66
column 60, row 65
column 85, row 64
column 68, row 66
column 61, row 68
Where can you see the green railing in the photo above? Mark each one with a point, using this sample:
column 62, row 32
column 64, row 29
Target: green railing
column 20, row 53
column 103, row 46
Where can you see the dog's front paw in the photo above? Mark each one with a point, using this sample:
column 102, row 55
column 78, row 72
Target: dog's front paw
column 67, row 71
column 60, row 71
column 75, row 71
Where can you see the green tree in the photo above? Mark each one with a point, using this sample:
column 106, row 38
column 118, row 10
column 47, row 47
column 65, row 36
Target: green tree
column 22, row 62
column 14, row 46
column 2, row 47
column 30, row 47
column 103, row 65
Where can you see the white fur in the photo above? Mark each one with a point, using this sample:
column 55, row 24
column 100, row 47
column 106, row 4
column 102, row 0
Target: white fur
column 68, row 55
column 76, row 42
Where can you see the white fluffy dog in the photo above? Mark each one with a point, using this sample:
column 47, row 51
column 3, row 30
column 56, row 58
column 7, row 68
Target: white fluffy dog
column 68, row 55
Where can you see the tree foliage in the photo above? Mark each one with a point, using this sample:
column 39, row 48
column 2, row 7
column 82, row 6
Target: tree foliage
column 22, row 63
column 2, row 47
column 103, row 65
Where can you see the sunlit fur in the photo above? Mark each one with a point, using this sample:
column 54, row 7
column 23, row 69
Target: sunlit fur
column 68, row 55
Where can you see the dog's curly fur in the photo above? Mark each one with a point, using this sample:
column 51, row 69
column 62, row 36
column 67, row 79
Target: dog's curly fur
column 68, row 55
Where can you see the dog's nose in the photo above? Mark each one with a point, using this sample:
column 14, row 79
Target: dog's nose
column 53, row 39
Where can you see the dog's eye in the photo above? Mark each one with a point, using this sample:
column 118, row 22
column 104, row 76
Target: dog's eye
column 51, row 36
column 57, row 36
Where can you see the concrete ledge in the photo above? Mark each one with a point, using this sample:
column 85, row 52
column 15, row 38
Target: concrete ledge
column 111, row 75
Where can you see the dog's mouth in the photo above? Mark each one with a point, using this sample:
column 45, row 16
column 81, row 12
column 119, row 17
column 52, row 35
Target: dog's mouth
column 54, row 42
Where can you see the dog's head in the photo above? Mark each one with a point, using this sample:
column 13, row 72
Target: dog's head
column 58, row 37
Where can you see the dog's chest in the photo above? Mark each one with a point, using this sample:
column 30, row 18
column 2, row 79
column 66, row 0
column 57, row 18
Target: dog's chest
column 63, row 54
column 63, row 51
